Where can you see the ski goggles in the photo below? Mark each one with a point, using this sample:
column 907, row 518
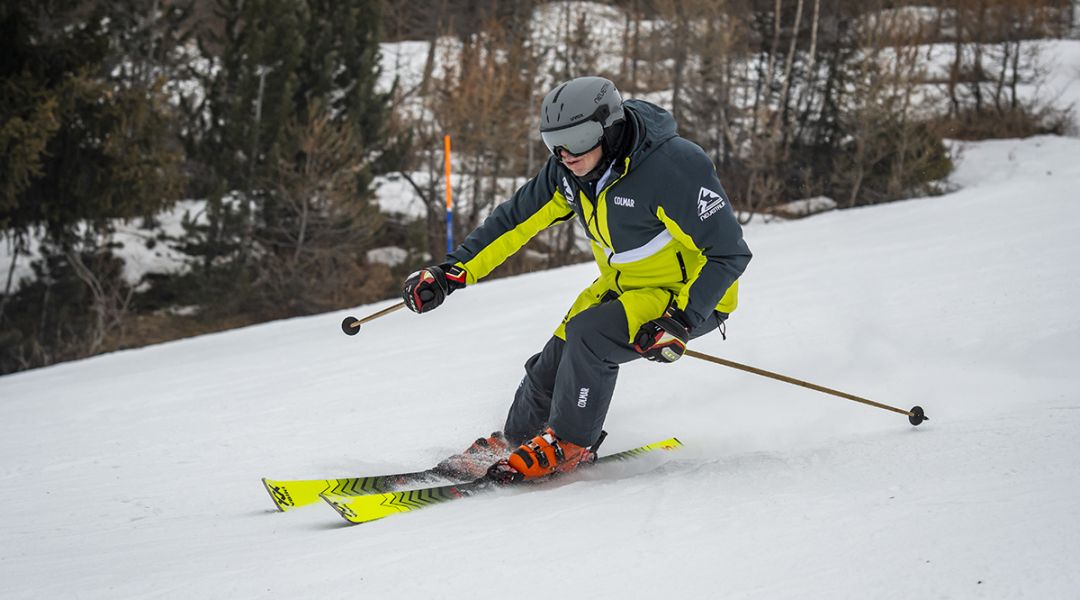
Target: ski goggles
column 575, row 139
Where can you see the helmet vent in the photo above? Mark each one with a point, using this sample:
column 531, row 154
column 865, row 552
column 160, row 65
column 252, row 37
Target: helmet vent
column 557, row 93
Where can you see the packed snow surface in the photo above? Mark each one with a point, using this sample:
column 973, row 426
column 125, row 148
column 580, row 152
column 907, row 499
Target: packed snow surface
column 137, row 474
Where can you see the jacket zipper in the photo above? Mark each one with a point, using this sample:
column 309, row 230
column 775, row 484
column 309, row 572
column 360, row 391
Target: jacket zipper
column 603, row 194
column 682, row 265
column 594, row 220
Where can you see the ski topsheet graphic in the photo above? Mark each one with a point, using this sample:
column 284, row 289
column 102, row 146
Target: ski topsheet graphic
column 302, row 492
column 373, row 506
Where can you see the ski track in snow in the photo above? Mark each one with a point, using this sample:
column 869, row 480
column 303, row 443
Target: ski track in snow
column 136, row 474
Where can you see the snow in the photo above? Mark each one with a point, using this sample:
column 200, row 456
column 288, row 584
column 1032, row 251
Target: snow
column 144, row 247
column 807, row 206
column 395, row 196
column 1054, row 63
column 1060, row 59
column 557, row 28
column 388, row 255
column 136, row 474
column 403, row 63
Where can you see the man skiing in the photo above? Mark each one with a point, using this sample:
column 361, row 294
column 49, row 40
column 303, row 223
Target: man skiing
column 669, row 249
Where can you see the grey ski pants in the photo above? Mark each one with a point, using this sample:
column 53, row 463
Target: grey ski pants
column 568, row 385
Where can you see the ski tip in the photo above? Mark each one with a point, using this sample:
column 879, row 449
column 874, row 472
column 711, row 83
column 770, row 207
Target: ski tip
column 278, row 494
column 372, row 507
column 341, row 504
column 337, row 504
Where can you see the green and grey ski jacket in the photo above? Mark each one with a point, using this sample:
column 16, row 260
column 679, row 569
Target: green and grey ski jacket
column 660, row 226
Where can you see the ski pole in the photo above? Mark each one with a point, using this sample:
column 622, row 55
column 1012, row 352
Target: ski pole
column 915, row 415
column 351, row 325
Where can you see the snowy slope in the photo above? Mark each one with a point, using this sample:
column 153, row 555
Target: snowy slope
column 136, row 474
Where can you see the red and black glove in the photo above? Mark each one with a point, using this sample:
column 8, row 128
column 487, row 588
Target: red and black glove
column 663, row 339
column 426, row 289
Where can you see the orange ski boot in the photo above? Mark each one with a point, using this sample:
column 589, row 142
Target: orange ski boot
column 542, row 456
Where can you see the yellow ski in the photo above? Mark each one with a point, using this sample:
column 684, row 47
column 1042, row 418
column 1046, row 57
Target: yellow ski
column 301, row 492
column 370, row 507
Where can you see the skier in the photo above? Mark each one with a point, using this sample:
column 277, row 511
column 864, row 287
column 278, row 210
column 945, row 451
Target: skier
column 669, row 249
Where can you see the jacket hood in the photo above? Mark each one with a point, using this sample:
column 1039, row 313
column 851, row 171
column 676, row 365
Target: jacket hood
column 653, row 126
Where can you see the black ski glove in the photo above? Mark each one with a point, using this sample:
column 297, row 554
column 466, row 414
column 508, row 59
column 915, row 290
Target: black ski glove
column 663, row 339
column 426, row 289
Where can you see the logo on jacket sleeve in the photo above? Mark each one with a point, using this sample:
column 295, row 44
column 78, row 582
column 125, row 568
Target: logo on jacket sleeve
column 708, row 203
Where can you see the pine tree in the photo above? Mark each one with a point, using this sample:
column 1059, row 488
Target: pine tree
column 80, row 149
column 282, row 63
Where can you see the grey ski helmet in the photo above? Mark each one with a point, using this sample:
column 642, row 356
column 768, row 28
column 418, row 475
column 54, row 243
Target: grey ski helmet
column 576, row 114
